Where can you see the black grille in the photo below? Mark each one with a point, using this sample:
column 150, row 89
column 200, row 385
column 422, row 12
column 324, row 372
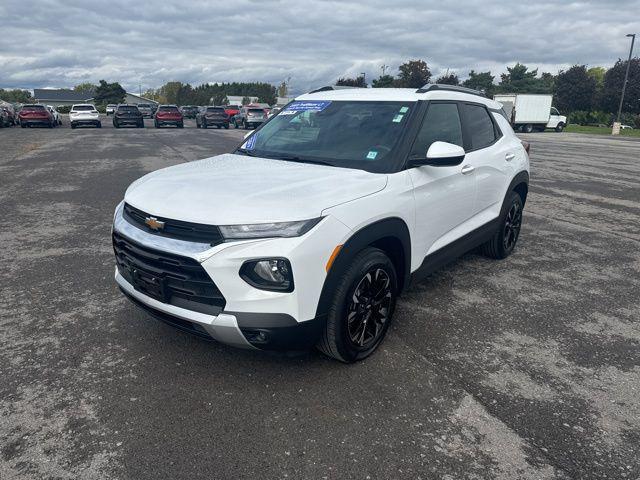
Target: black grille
column 179, row 281
column 192, row 232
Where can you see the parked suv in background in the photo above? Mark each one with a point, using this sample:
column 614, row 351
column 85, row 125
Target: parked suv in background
column 189, row 111
column 168, row 115
column 57, row 120
column 307, row 233
column 232, row 110
column 35, row 115
column 146, row 110
column 215, row 116
column 127, row 114
column 84, row 114
column 249, row 117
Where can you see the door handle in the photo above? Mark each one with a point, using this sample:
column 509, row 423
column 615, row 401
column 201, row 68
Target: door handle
column 467, row 169
column 509, row 156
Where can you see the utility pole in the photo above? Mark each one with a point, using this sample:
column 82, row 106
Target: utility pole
column 364, row 78
column 384, row 69
column 616, row 125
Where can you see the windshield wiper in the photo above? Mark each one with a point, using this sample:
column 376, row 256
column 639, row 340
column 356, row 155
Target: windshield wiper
column 294, row 158
column 246, row 152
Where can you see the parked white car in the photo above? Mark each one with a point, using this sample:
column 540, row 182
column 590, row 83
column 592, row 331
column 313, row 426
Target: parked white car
column 84, row 114
column 307, row 233
column 57, row 119
column 110, row 109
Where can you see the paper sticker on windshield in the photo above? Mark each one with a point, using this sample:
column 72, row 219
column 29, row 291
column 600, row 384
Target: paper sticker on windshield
column 404, row 109
column 250, row 144
column 398, row 118
column 314, row 106
column 372, row 155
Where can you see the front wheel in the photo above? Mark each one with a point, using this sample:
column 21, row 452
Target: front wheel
column 361, row 308
column 506, row 236
column 560, row 127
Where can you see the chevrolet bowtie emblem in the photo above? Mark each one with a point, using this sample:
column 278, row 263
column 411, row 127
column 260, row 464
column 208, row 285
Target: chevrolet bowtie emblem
column 153, row 223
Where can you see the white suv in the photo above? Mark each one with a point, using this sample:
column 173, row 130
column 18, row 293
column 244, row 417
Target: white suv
column 84, row 114
column 307, row 233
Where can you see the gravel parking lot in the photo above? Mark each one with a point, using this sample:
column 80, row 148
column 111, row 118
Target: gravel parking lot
column 527, row 368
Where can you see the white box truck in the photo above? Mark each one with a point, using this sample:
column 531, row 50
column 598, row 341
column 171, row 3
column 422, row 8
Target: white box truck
column 529, row 112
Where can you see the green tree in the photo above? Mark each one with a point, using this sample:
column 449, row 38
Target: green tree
column 16, row 96
column 575, row 89
column 413, row 74
column 86, row 87
column 352, row 82
column 612, row 87
column 448, row 79
column 597, row 73
column 283, row 89
column 519, row 79
column 383, row 81
column 482, row 81
column 109, row 93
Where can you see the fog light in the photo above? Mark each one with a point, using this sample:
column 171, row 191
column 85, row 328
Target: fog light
column 268, row 274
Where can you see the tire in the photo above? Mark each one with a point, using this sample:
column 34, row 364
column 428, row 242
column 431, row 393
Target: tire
column 116, row 124
column 244, row 125
column 141, row 124
column 156, row 124
column 560, row 127
column 197, row 123
column 235, row 124
column 528, row 128
column 72, row 125
column 50, row 124
column 204, row 124
column 180, row 125
column 506, row 236
column 350, row 342
column 99, row 125
column 226, row 126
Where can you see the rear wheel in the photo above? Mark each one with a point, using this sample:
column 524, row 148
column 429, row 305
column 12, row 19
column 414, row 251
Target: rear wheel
column 361, row 308
column 506, row 236
column 226, row 126
column 156, row 124
column 181, row 125
column 528, row 128
column 99, row 124
column 116, row 124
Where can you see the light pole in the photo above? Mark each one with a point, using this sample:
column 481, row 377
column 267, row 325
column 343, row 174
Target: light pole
column 364, row 78
column 624, row 84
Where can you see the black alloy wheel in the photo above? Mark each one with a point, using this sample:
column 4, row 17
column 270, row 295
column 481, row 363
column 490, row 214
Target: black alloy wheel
column 512, row 224
column 369, row 308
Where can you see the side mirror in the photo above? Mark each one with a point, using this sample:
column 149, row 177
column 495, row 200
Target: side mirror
column 441, row 154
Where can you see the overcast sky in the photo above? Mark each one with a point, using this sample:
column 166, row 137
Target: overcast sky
column 60, row 43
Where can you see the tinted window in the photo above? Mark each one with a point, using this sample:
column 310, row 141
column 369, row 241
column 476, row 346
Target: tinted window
column 215, row 109
column 128, row 108
column 479, row 125
column 256, row 111
column 32, row 107
column 168, row 109
column 356, row 134
column 83, row 108
column 441, row 124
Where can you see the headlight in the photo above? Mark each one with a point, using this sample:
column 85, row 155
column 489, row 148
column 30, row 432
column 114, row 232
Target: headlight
column 268, row 230
column 268, row 274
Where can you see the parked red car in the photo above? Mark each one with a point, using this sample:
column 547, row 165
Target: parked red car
column 168, row 115
column 231, row 110
column 35, row 115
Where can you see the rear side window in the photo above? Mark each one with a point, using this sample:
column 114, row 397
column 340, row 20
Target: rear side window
column 479, row 125
column 441, row 124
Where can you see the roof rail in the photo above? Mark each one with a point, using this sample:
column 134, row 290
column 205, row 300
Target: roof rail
column 430, row 87
column 332, row 87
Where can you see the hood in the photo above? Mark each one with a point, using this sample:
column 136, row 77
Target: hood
column 234, row 189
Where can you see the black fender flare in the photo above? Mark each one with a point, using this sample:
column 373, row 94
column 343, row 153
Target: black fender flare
column 520, row 178
column 393, row 228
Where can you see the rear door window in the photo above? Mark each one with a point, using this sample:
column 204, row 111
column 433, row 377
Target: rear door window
column 480, row 129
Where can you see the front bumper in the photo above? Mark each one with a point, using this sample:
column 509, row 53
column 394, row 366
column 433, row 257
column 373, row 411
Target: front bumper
column 250, row 317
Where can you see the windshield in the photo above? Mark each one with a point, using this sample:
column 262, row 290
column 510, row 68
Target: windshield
column 341, row 133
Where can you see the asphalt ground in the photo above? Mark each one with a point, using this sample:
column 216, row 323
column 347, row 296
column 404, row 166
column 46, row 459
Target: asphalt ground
column 527, row 368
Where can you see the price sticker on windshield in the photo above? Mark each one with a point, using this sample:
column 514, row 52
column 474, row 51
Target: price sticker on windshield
column 314, row 106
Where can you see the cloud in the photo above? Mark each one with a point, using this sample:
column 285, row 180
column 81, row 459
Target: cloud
column 59, row 43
